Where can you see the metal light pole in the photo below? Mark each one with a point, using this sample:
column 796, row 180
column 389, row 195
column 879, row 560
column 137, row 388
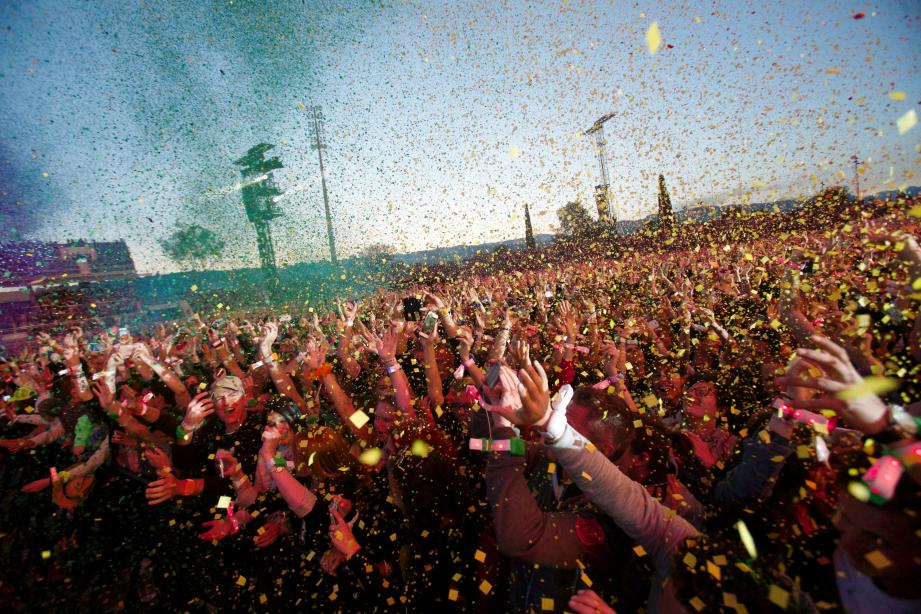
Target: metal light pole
column 856, row 162
column 320, row 145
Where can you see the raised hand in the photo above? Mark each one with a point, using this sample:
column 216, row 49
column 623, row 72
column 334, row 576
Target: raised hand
column 228, row 461
column 200, row 407
column 315, row 353
column 162, row 490
column 385, row 346
column 433, row 300
column 270, row 439
column 331, row 561
column 269, row 335
column 588, row 602
column 866, row 412
column 269, row 533
column 431, row 339
column 465, row 337
column 340, row 533
column 103, row 394
column 509, row 404
column 142, row 353
column 156, row 457
column 348, row 312
column 217, row 529
column 520, row 351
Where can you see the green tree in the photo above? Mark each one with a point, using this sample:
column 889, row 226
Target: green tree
column 191, row 246
column 575, row 220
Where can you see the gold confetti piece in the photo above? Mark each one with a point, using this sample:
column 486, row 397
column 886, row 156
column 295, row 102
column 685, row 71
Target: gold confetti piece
column 779, row 596
column 834, row 70
column 803, row 451
column 263, row 598
column 729, row 600
column 586, row 476
column 223, row 502
column 697, row 604
column 653, row 38
column 586, row 579
column 546, row 604
column 897, row 95
column 194, row 288
column 551, row 468
column 359, row 418
column 241, row 581
column 480, row 556
column 485, row 587
column 370, row 457
column 872, row 384
column 46, row 554
column 877, row 559
column 452, row 594
column 915, row 211
column 638, row 424
column 639, row 551
column 689, row 559
column 720, row 560
column 713, row 570
column 907, row 122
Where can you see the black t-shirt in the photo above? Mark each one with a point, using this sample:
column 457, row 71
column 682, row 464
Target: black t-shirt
column 192, row 461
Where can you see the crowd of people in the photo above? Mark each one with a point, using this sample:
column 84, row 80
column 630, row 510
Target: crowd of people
column 732, row 427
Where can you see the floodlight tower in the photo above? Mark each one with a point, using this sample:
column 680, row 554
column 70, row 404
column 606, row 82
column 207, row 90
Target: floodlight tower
column 320, row 145
column 602, row 197
column 259, row 198
column 857, row 162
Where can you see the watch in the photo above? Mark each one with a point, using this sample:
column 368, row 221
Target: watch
column 899, row 425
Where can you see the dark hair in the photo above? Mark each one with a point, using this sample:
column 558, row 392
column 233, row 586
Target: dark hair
column 284, row 407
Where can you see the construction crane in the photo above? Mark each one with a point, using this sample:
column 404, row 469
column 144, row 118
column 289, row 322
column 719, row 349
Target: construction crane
column 602, row 197
column 259, row 198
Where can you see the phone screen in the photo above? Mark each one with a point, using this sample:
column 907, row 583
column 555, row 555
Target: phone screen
column 428, row 325
column 492, row 376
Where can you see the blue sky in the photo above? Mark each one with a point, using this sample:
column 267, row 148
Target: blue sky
column 443, row 118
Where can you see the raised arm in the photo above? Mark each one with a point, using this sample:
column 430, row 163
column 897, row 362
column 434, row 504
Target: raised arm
column 298, row 497
column 315, row 361
column 385, row 349
column 348, row 312
column 280, row 378
column 142, row 354
column 444, row 314
column 432, row 375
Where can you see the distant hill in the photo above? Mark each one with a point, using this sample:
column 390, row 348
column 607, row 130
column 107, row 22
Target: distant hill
column 362, row 276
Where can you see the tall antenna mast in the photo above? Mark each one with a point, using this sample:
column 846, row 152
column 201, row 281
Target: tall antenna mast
column 320, row 145
column 856, row 162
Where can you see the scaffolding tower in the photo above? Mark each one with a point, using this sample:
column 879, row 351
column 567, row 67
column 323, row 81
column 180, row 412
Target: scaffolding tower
column 260, row 195
column 602, row 194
